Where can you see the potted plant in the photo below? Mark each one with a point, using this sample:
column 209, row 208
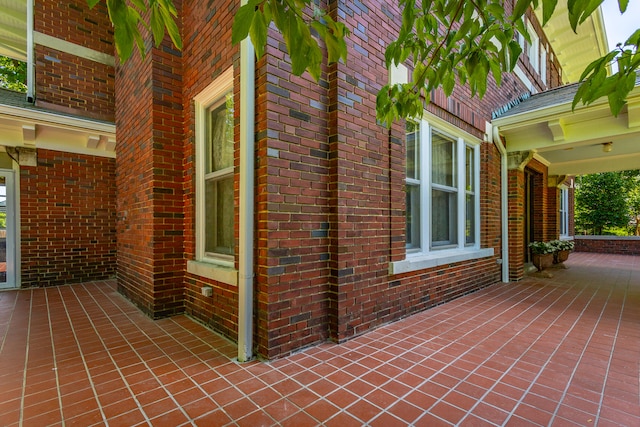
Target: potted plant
column 542, row 254
column 562, row 248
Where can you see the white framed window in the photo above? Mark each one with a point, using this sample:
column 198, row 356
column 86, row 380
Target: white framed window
column 563, row 212
column 543, row 65
column 442, row 196
column 533, row 48
column 214, row 137
column 441, row 185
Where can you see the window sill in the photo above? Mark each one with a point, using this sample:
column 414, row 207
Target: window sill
column 421, row 261
column 212, row 271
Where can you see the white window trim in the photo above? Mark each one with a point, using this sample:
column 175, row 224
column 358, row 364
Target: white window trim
column 424, row 257
column 533, row 52
column 543, row 66
column 564, row 211
column 211, row 94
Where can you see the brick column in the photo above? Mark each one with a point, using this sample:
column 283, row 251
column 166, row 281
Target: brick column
column 516, row 184
column 149, row 179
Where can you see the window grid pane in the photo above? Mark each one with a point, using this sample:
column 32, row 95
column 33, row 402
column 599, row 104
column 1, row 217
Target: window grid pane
column 469, row 168
column 218, row 216
column 444, row 213
column 412, row 144
column 413, row 216
column 413, row 150
column 470, row 219
column 219, row 221
column 219, row 138
column 564, row 212
column 443, row 160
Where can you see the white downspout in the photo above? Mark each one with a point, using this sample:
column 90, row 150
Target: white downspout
column 30, row 53
column 245, row 262
column 504, row 202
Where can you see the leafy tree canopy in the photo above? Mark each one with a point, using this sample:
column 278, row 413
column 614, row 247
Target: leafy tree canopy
column 449, row 42
column 632, row 179
column 13, row 74
column 601, row 201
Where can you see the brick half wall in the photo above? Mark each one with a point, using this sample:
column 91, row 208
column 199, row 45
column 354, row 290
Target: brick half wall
column 621, row 245
column 67, row 226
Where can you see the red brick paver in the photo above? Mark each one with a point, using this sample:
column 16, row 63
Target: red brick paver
column 560, row 351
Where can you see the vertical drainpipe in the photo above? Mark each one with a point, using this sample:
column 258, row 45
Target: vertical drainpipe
column 504, row 202
column 245, row 262
column 30, row 61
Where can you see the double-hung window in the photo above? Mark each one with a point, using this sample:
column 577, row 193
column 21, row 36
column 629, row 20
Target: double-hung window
column 442, row 197
column 564, row 212
column 533, row 47
column 215, row 239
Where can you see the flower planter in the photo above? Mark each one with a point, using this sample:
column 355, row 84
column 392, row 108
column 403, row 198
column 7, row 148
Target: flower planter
column 542, row 261
column 560, row 256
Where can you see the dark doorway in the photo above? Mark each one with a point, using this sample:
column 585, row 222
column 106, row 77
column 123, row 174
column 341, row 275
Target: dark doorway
column 529, row 204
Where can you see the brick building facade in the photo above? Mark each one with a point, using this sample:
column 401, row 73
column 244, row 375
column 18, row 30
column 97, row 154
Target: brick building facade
column 58, row 151
column 329, row 201
column 271, row 207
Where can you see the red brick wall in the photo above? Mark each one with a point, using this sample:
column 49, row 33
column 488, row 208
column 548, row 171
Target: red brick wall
column 330, row 201
column 608, row 244
column 364, row 206
column 67, row 208
column 516, row 198
column 64, row 81
column 74, row 21
column 150, row 180
column 134, row 180
column 292, row 207
column 553, row 214
column 207, row 53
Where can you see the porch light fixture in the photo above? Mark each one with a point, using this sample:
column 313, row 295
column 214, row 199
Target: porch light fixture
column 607, row 146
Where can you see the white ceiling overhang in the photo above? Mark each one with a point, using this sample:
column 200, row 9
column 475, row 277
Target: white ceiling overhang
column 575, row 50
column 23, row 125
column 13, row 29
column 571, row 142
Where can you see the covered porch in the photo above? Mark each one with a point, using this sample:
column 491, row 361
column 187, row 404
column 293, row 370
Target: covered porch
column 546, row 143
column 541, row 351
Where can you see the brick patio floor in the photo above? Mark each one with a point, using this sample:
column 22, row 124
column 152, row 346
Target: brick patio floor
column 562, row 351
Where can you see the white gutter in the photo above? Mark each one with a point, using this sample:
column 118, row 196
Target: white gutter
column 30, row 51
column 504, row 202
column 245, row 262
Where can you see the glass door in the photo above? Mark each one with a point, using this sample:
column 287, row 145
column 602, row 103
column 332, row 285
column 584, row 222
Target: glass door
column 7, row 230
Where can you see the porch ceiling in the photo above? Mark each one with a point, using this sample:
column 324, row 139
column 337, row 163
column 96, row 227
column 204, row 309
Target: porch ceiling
column 572, row 142
column 13, row 29
column 575, row 50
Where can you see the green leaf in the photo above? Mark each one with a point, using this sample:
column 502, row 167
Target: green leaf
column 634, row 39
column 258, row 33
column 123, row 32
column 615, row 103
column 157, row 26
column 172, row 29
column 242, row 23
column 548, row 7
column 514, row 53
column 520, row 8
column 449, row 82
column 622, row 4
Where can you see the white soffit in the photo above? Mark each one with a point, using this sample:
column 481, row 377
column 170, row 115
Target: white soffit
column 572, row 142
column 31, row 127
column 13, row 29
column 575, row 50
